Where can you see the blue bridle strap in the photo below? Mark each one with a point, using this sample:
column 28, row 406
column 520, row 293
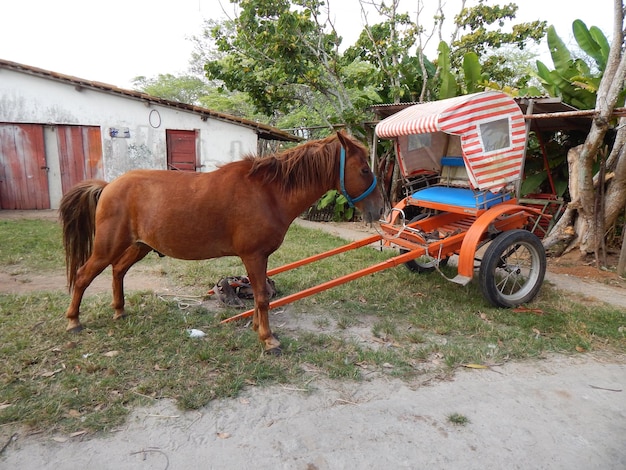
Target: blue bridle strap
column 342, row 182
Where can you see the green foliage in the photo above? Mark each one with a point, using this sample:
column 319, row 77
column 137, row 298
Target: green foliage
column 556, row 145
column 339, row 203
column 487, row 38
column 575, row 80
column 285, row 56
column 234, row 103
column 280, row 62
column 183, row 88
column 592, row 42
column 473, row 72
column 448, row 87
column 389, row 47
column 282, row 58
column 481, row 36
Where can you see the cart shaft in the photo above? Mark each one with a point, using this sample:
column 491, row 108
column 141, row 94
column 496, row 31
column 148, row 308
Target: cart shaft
column 389, row 263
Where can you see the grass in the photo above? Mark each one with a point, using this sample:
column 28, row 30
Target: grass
column 458, row 419
column 395, row 323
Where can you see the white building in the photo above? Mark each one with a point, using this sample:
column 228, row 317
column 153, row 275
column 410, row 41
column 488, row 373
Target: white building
column 57, row 130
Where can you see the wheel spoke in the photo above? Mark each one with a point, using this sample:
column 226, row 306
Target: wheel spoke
column 513, row 268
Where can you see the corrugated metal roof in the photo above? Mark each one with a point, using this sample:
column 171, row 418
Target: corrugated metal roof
column 540, row 105
column 263, row 130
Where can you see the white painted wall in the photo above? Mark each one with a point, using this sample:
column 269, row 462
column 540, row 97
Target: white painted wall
column 26, row 98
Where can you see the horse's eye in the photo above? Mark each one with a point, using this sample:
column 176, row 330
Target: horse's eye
column 365, row 171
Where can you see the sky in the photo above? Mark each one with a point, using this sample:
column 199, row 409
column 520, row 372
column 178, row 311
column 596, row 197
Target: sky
column 114, row 41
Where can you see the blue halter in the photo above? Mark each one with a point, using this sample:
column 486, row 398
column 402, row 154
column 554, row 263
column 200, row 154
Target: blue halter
column 342, row 182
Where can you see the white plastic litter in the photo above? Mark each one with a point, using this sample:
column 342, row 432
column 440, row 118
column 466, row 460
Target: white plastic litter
column 193, row 333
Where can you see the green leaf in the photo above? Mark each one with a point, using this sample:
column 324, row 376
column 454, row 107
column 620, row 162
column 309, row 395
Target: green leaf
column 543, row 72
column 532, row 183
column 588, row 44
column 328, row 199
column 561, row 56
column 603, row 42
column 472, row 70
column 448, row 87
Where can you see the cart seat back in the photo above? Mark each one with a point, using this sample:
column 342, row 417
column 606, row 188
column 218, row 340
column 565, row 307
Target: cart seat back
column 453, row 172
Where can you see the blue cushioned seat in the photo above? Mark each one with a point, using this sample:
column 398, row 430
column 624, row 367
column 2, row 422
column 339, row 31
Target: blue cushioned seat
column 462, row 197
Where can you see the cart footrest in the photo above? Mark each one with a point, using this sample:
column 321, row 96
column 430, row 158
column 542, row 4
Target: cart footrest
column 462, row 280
column 461, row 197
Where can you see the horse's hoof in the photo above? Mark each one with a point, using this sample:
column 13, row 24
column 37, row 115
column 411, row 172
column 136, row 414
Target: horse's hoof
column 274, row 351
column 75, row 329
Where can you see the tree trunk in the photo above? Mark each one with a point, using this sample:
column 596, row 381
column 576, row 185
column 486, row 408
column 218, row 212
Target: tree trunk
column 616, row 166
column 621, row 264
column 578, row 226
column 565, row 232
column 587, row 228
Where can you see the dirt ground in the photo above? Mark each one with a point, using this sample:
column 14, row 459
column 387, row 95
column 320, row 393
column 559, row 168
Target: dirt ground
column 558, row 412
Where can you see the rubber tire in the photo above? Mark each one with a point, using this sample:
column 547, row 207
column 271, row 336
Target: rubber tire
column 414, row 265
column 507, row 254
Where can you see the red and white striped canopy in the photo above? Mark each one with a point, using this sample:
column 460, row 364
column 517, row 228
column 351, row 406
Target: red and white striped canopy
column 469, row 117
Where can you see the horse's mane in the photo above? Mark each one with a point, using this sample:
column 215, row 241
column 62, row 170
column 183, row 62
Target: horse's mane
column 312, row 163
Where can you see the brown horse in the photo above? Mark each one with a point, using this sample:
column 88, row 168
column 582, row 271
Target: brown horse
column 242, row 209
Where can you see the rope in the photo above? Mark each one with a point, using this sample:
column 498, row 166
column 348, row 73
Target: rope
column 183, row 302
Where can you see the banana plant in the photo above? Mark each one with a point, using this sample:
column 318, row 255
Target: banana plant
column 472, row 71
column 474, row 79
column 593, row 42
column 572, row 78
column 448, row 87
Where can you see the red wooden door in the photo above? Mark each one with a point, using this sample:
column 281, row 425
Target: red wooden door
column 181, row 150
column 23, row 167
column 80, row 154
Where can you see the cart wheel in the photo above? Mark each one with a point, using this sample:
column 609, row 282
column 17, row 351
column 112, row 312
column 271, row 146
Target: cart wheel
column 513, row 268
column 423, row 264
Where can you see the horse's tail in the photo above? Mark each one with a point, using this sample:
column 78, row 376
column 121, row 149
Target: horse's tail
column 77, row 214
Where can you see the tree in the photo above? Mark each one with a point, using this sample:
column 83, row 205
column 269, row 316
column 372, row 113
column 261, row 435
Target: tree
column 481, row 30
column 183, row 88
column 481, row 37
column 583, row 222
column 286, row 58
column 286, row 55
column 402, row 74
column 396, row 47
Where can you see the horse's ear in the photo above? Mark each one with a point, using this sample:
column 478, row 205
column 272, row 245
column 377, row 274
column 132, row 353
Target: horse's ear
column 343, row 138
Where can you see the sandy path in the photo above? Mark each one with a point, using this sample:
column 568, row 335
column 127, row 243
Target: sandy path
column 562, row 413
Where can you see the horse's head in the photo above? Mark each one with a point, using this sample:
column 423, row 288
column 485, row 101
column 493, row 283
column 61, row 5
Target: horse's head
column 356, row 179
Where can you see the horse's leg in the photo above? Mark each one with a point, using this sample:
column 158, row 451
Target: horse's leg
column 84, row 276
column 257, row 272
column 132, row 254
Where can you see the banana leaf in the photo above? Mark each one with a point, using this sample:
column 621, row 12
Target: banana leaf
column 472, row 70
column 561, row 55
column 588, row 44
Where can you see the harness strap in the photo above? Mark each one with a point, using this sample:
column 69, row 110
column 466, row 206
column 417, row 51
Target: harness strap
column 342, row 181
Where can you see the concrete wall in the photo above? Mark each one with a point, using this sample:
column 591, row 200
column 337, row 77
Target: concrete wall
column 141, row 125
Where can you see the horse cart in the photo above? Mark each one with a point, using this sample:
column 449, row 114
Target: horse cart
column 462, row 161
